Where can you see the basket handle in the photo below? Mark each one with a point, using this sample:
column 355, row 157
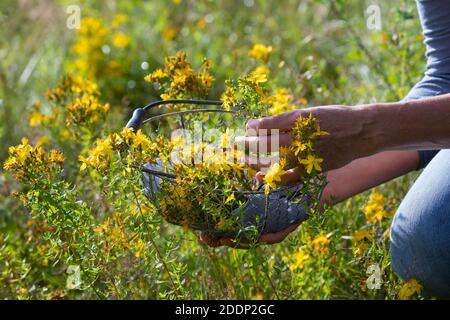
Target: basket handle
column 138, row 114
column 136, row 119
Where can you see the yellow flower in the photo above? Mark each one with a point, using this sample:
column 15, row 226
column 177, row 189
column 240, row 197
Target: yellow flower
column 36, row 118
column 206, row 79
column 88, row 45
column 230, row 198
column 307, row 128
column 321, row 245
column 374, row 209
column 180, row 81
column 155, row 76
column 409, row 288
column 260, row 52
column 318, row 132
column 229, row 97
column 43, row 141
column 120, row 40
column 272, row 176
column 226, row 139
column 312, row 162
column 299, row 259
column 73, row 85
column 92, row 26
column 23, row 291
column 84, row 162
column 119, row 20
column 165, row 96
column 299, row 146
column 99, row 155
column 201, row 23
column 140, row 247
column 259, row 75
column 384, row 39
column 103, row 228
column 26, row 161
column 362, row 234
column 113, row 67
column 176, row 207
column 64, row 134
column 284, row 152
column 280, row 102
column 258, row 296
column 56, row 156
column 305, row 131
column 57, row 294
column 82, row 47
column 170, row 32
column 361, row 241
column 140, row 139
column 86, row 110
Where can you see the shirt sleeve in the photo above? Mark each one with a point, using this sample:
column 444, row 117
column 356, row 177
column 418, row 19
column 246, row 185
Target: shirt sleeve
column 425, row 156
column 434, row 16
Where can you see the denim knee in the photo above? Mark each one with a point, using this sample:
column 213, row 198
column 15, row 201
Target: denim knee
column 420, row 231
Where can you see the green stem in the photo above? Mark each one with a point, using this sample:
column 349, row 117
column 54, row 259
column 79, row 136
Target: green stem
column 158, row 252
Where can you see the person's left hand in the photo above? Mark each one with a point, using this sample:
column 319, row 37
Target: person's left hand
column 269, row 238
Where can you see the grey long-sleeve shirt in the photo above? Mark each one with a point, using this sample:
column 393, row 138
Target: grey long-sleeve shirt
column 435, row 20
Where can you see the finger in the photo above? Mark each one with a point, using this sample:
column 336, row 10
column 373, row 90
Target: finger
column 292, row 176
column 272, row 238
column 260, row 177
column 283, row 121
column 260, row 162
column 263, row 143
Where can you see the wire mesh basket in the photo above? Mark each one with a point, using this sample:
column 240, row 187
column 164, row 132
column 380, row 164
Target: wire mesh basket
column 255, row 213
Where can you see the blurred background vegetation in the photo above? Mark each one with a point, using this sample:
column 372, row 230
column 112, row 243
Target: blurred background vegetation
column 323, row 52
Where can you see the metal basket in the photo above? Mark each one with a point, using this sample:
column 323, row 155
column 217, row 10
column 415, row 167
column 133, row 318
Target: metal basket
column 259, row 214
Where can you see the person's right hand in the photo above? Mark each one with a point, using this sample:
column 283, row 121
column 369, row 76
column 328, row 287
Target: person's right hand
column 347, row 139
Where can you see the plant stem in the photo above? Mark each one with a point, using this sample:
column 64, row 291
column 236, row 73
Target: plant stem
column 158, row 252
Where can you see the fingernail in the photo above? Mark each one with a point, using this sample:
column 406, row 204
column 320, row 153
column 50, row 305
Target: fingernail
column 253, row 126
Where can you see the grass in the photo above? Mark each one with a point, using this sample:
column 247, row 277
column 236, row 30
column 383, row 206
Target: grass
column 323, row 53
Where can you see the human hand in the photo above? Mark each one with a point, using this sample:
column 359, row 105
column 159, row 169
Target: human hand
column 348, row 140
column 348, row 137
column 269, row 238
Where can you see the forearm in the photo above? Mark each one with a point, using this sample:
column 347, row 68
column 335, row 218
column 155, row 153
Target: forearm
column 412, row 125
column 390, row 135
column 365, row 173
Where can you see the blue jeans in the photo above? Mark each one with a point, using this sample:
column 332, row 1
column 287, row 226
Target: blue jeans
column 420, row 232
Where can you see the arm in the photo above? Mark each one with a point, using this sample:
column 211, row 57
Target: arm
column 365, row 173
column 354, row 150
column 409, row 125
column 358, row 176
column 365, row 130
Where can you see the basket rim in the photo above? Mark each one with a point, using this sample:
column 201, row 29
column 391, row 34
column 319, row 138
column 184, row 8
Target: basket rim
column 171, row 177
column 182, row 112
